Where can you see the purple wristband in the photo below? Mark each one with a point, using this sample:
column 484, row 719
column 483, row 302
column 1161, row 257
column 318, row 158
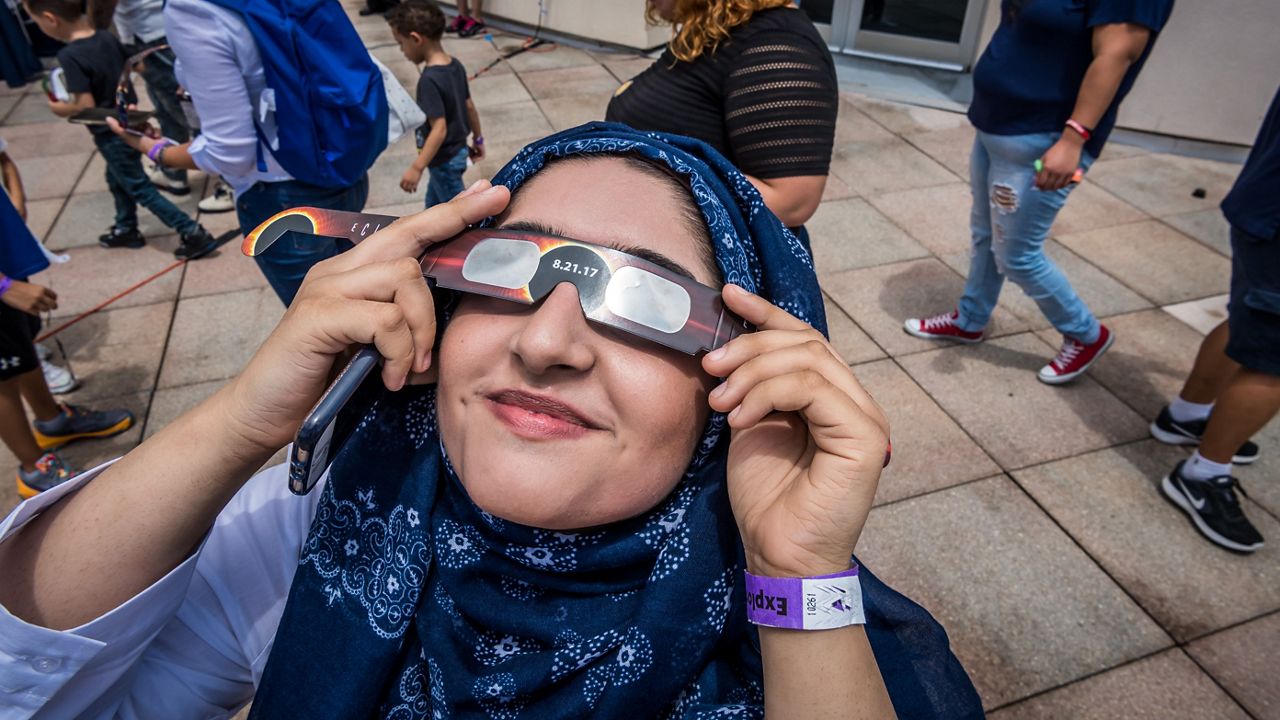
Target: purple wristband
column 811, row 603
column 154, row 153
column 5, row 284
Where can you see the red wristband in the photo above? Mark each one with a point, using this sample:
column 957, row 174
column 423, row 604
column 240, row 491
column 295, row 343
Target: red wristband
column 1084, row 132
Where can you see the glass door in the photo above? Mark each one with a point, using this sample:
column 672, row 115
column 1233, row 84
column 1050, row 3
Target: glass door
column 937, row 33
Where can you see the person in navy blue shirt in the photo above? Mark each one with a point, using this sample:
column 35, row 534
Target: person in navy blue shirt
column 1234, row 388
column 1045, row 96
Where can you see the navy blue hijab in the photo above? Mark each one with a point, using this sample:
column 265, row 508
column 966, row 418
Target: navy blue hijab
column 412, row 602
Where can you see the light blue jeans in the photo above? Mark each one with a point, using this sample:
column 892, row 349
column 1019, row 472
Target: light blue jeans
column 1010, row 223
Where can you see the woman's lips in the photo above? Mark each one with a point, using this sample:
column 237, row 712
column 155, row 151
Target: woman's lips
column 538, row 417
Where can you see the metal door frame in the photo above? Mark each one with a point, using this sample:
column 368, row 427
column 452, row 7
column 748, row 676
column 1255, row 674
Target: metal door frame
column 849, row 38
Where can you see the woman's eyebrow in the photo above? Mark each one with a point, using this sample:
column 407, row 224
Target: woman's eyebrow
column 653, row 256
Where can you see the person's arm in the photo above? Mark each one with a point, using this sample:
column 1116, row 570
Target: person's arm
column 473, row 120
column 806, row 448
column 13, row 184
column 1116, row 47
column 78, row 559
column 79, row 101
column 172, row 156
column 435, row 138
column 793, row 199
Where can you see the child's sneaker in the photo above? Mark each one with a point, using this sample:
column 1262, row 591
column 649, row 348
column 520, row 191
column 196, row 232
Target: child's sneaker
column 50, row 471
column 75, row 423
column 195, row 244
column 455, row 24
column 941, row 327
column 1074, row 358
column 1214, row 509
column 470, row 26
column 1171, row 432
column 173, row 186
column 222, row 200
column 59, row 379
column 122, row 238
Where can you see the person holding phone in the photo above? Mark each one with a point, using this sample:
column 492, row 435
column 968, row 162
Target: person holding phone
column 1045, row 96
column 92, row 62
column 546, row 511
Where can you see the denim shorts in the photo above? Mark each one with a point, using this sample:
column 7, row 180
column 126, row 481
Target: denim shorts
column 1253, row 318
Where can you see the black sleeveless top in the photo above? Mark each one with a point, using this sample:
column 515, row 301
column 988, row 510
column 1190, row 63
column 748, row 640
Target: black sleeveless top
column 766, row 98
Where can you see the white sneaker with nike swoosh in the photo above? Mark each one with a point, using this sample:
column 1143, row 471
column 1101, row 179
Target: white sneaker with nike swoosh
column 1213, row 508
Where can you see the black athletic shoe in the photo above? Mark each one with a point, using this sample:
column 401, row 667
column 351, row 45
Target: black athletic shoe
column 1214, row 509
column 121, row 238
column 195, row 244
column 1171, row 432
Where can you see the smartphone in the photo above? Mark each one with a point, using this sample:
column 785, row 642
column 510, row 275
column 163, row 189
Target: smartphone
column 333, row 419
column 98, row 116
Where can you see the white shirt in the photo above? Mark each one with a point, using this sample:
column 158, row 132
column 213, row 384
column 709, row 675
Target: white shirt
column 193, row 645
column 218, row 63
column 139, row 21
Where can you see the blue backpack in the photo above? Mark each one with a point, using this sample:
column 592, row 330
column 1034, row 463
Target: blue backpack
column 331, row 106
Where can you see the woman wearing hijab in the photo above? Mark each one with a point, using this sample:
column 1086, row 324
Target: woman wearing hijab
column 1046, row 92
column 754, row 79
column 563, row 520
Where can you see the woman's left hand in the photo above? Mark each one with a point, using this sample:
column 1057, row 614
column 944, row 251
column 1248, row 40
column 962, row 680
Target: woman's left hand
column 807, row 447
column 141, row 143
column 1059, row 164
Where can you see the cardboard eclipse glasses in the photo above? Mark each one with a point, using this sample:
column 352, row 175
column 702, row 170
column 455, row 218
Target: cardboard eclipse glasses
column 615, row 289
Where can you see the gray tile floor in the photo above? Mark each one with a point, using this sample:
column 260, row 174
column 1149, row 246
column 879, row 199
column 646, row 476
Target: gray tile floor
column 1025, row 517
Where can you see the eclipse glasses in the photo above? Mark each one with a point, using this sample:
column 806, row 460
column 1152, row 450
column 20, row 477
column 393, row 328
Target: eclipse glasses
column 615, row 289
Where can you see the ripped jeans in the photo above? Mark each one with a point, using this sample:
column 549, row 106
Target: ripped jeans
column 1010, row 223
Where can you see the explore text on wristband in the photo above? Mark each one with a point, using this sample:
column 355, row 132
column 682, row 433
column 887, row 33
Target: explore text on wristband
column 823, row 602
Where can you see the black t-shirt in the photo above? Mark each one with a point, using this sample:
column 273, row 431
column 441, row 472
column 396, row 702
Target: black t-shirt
column 443, row 92
column 93, row 65
column 766, row 98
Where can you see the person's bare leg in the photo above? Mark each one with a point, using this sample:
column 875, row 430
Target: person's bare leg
column 463, row 8
column 476, row 4
column 36, row 392
column 1213, row 369
column 1247, row 403
column 14, row 430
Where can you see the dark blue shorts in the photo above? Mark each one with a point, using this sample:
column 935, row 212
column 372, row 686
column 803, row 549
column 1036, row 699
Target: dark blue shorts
column 1254, row 309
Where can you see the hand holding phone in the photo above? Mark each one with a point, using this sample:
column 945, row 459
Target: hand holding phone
column 344, row 302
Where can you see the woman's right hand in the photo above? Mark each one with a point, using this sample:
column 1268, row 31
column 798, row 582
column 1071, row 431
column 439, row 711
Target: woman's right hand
column 372, row 294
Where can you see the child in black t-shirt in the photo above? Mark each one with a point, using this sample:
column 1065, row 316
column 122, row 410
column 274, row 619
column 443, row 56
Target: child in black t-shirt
column 445, row 98
column 92, row 62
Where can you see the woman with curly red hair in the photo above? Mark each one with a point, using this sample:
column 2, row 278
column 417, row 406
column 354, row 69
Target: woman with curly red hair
column 753, row 79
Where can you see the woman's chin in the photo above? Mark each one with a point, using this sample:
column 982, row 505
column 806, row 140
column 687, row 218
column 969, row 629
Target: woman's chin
column 548, row 500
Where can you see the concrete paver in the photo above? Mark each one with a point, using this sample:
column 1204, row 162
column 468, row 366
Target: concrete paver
column 1109, row 502
column 930, row 451
column 1167, row 685
column 992, row 391
column 1243, row 659
column 1065, row 582
column 982, row 558
column 1154, row 259
column 850, row 234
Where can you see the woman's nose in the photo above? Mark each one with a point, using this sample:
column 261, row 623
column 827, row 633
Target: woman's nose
column 555, row 334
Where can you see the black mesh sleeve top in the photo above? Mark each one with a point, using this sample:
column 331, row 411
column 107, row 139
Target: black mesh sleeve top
column 766, row 98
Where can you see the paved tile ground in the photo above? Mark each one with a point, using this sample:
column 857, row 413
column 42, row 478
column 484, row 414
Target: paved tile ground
column 1025, row 517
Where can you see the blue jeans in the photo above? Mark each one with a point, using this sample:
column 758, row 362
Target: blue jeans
column 1010, row 223
column 130, row 187
column 444, row 181
column 287, row 261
